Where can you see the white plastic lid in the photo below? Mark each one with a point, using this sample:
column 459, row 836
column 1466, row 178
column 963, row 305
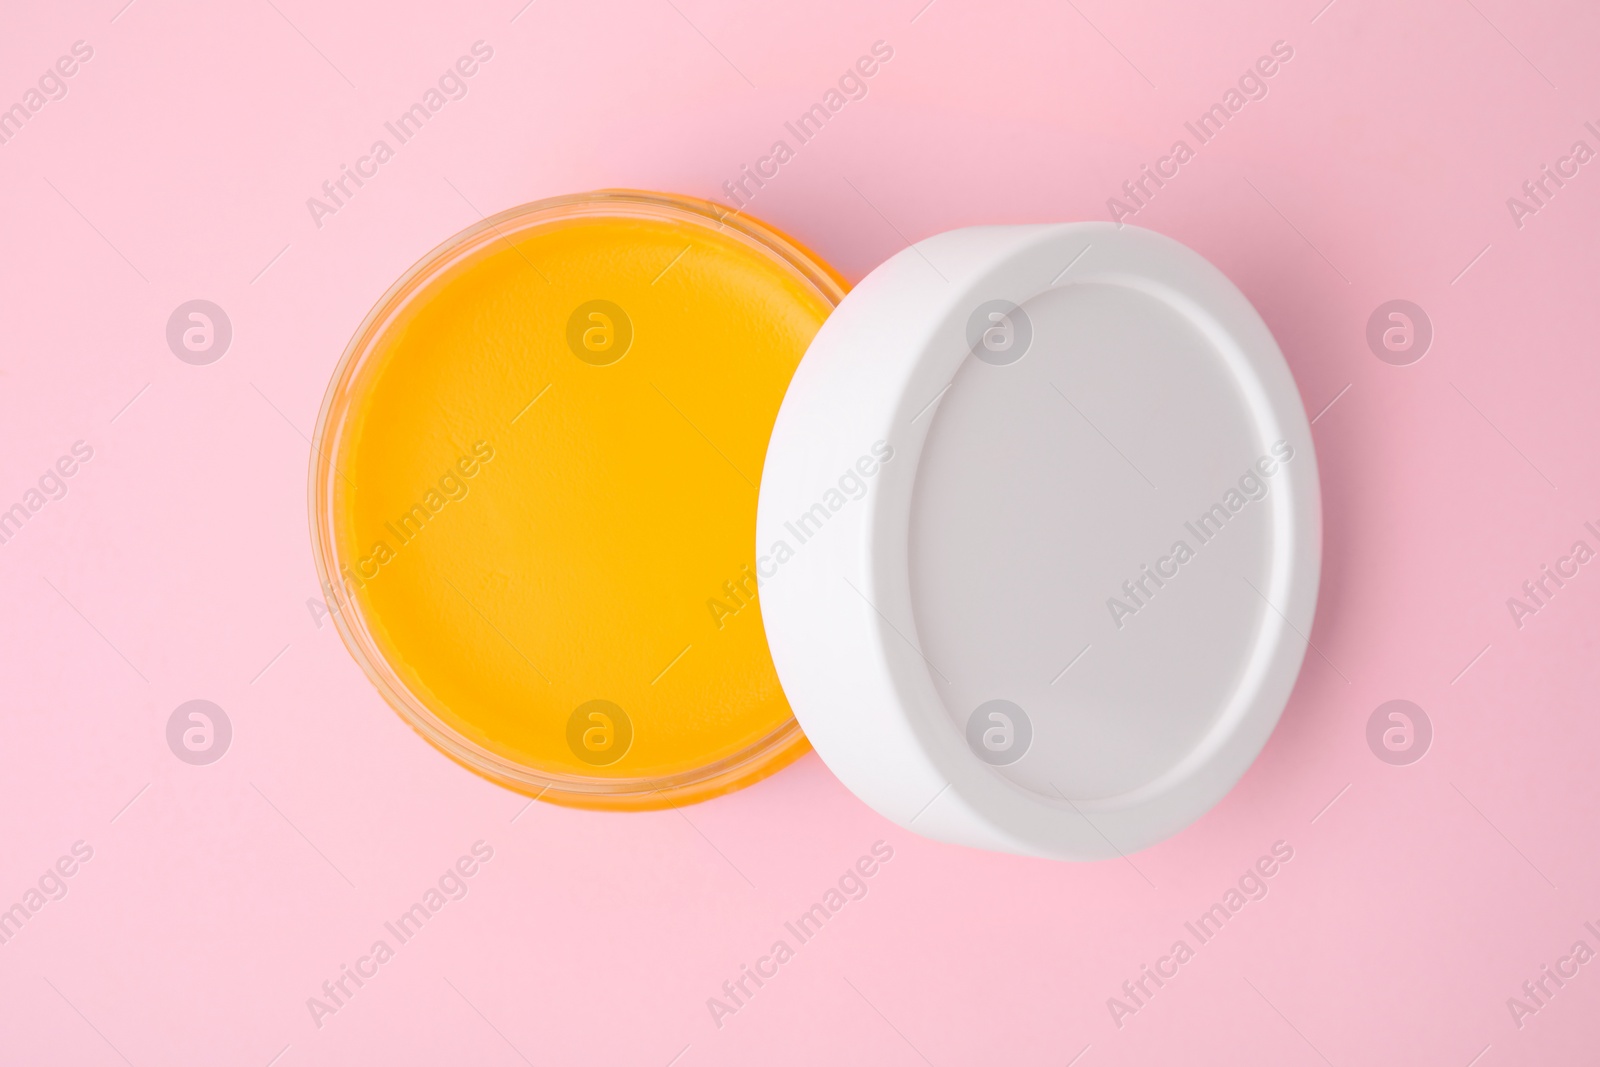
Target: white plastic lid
column 1039, row 538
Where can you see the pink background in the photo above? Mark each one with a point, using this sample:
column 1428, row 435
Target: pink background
column 178, row 565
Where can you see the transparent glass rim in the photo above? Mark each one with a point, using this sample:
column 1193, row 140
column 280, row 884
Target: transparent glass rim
column 761, row 757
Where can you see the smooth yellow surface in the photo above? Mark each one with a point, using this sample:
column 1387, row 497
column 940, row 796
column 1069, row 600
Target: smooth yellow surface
column 578, row 560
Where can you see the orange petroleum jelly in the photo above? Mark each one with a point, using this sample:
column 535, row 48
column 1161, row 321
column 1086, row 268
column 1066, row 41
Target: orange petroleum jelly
column 536, row 495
